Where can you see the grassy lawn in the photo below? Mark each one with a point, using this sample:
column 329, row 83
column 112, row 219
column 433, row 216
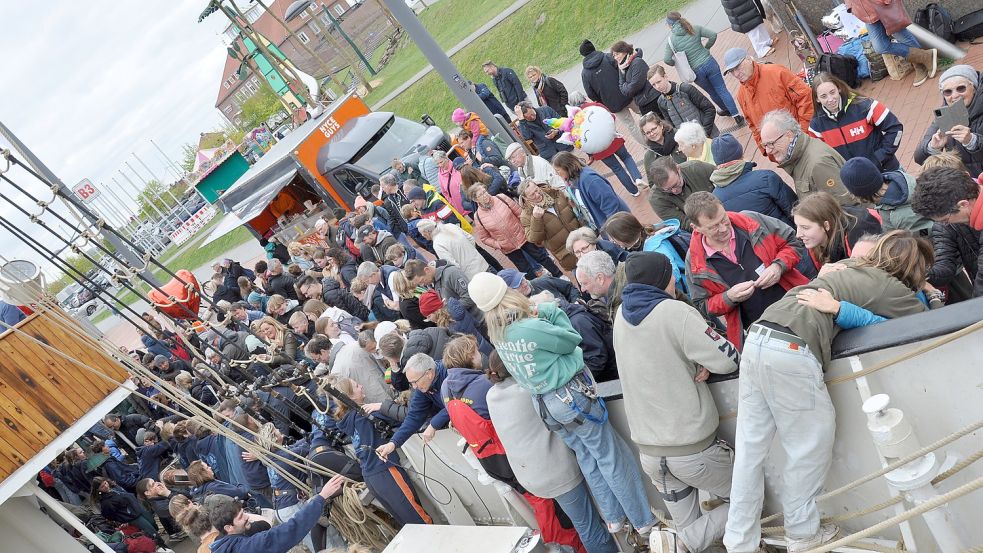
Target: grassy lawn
column 188, row 256
column 518, row 42
column 449, row 21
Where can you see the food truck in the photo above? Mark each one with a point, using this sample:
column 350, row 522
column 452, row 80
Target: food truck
column 323, row 164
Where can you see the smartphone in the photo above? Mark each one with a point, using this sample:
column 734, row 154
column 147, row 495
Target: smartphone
column 947, row 117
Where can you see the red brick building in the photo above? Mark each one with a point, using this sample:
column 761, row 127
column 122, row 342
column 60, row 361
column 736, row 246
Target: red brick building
column 363, row 21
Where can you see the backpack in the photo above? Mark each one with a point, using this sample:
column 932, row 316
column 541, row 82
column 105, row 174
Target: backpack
column 476, row 430
column 842, row 67
column 136, row 541
column 936, row 20
column 969, row 26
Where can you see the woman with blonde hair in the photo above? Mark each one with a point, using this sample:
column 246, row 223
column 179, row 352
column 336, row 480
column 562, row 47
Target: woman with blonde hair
column 549, row 91
column 282, row 345
column 386, row 479
column 782, row 390
column 548, row 217
column 541, row 349
column 829, row 230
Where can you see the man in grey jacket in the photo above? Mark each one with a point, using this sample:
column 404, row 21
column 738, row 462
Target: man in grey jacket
column 671, row 414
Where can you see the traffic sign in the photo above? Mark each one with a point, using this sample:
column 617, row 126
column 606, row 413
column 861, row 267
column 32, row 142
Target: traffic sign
column 86, row 191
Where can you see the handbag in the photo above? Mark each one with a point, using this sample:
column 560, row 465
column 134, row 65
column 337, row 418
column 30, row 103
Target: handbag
column 683, row 69
column 893, row 16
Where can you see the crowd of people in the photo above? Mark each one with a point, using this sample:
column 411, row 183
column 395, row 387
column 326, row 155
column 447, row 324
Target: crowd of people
column 407, row 308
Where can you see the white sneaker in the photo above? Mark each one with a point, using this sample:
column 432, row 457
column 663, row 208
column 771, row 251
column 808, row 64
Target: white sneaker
column 827, row 533
column 666, row 541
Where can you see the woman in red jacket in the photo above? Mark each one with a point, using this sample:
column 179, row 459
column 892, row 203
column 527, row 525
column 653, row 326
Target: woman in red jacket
column 498, row 226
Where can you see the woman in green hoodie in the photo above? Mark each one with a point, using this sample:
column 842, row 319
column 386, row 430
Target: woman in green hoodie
column 541, row 350
column 687, row 38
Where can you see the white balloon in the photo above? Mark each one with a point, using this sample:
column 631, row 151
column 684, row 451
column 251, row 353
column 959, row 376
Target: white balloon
column 596, row 130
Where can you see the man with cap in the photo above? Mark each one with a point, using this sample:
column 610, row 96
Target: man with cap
column 532, row 127
column 671, row 414
column 528, row 166
column 601, row 79
column 559, row 287
column 890, row 192
column 813, row 164
column 233, row 524
column 742, row 188
column 373, row 243
column 767, row 87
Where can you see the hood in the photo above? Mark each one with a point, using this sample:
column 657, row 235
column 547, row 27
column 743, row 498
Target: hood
column 226, row 544
column 380, row 236
column 638, row 300
column 430, row 340
column 329, row 284
column 663, row 230
column 726, row 174
column 459, row 380
column 593, row 60
column 897, row 189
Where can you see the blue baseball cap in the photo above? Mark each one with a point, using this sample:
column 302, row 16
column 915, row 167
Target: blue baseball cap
column 733, row 58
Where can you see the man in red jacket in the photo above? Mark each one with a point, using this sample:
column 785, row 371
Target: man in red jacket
column 947, row 195
column 766, row 87
column 739, row 263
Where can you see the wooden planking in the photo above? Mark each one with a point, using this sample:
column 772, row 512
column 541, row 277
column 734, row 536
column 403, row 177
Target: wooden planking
column 41, row 393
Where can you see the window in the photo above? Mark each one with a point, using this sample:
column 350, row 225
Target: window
column 228, row 110
column 227, row 84
column 253, row 14
column 339, row 9
column 304, row 14
column 231, row 34
column 314, row 28
column 303, row 37
column 252, row 86
column 326, row 20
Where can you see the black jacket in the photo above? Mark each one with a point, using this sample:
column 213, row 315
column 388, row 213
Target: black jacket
column 633, row 81
column 431, row 341
column 335, row 296
column 744, row 15
column 118, row 506
column 560, row 288
column 282, row 284
column 597, row 333
column 684, row 102
column 956, row 246
column 552, row 93
column 972, row 160
column 509, row 87
column 601, row 78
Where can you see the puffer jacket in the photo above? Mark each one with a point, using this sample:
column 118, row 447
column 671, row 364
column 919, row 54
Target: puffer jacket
column 697, row 52
column 762, row 191
column 454, row 245
column 335, row 296
column 862, row 128
column 744, row 15
column 956, row 246
column 551, row 230
column 601, row 79
column 771, row 241
column 633, row 80
column 815, row 167
column 772, row 87
column 972, row 159
column 684, row 102
column 498, row 226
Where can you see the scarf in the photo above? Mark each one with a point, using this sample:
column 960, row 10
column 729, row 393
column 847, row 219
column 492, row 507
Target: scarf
column 547, row 202
column 624, row 65
column 727, row 173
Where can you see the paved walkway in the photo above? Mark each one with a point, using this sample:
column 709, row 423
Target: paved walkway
column 457, row 47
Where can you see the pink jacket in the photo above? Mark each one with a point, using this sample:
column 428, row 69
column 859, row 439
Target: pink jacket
column 450, row 188
column 499, row 226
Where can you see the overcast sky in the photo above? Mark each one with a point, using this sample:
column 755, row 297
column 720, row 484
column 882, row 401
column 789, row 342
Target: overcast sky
column 87, row 83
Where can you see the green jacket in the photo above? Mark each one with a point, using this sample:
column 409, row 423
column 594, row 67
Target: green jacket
column 543, row 352
column 697, row 52
column 901, row 216
column 696, row 178
column 867, row 287
column 815, row 167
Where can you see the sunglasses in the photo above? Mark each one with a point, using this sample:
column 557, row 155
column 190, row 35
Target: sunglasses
column 961, row 89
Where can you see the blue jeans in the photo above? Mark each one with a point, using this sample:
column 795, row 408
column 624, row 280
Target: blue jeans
column 614, row 162
column 609, row 466
column 708, row 78
column 530, row 258
column 882, row 44
column 577, row 505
